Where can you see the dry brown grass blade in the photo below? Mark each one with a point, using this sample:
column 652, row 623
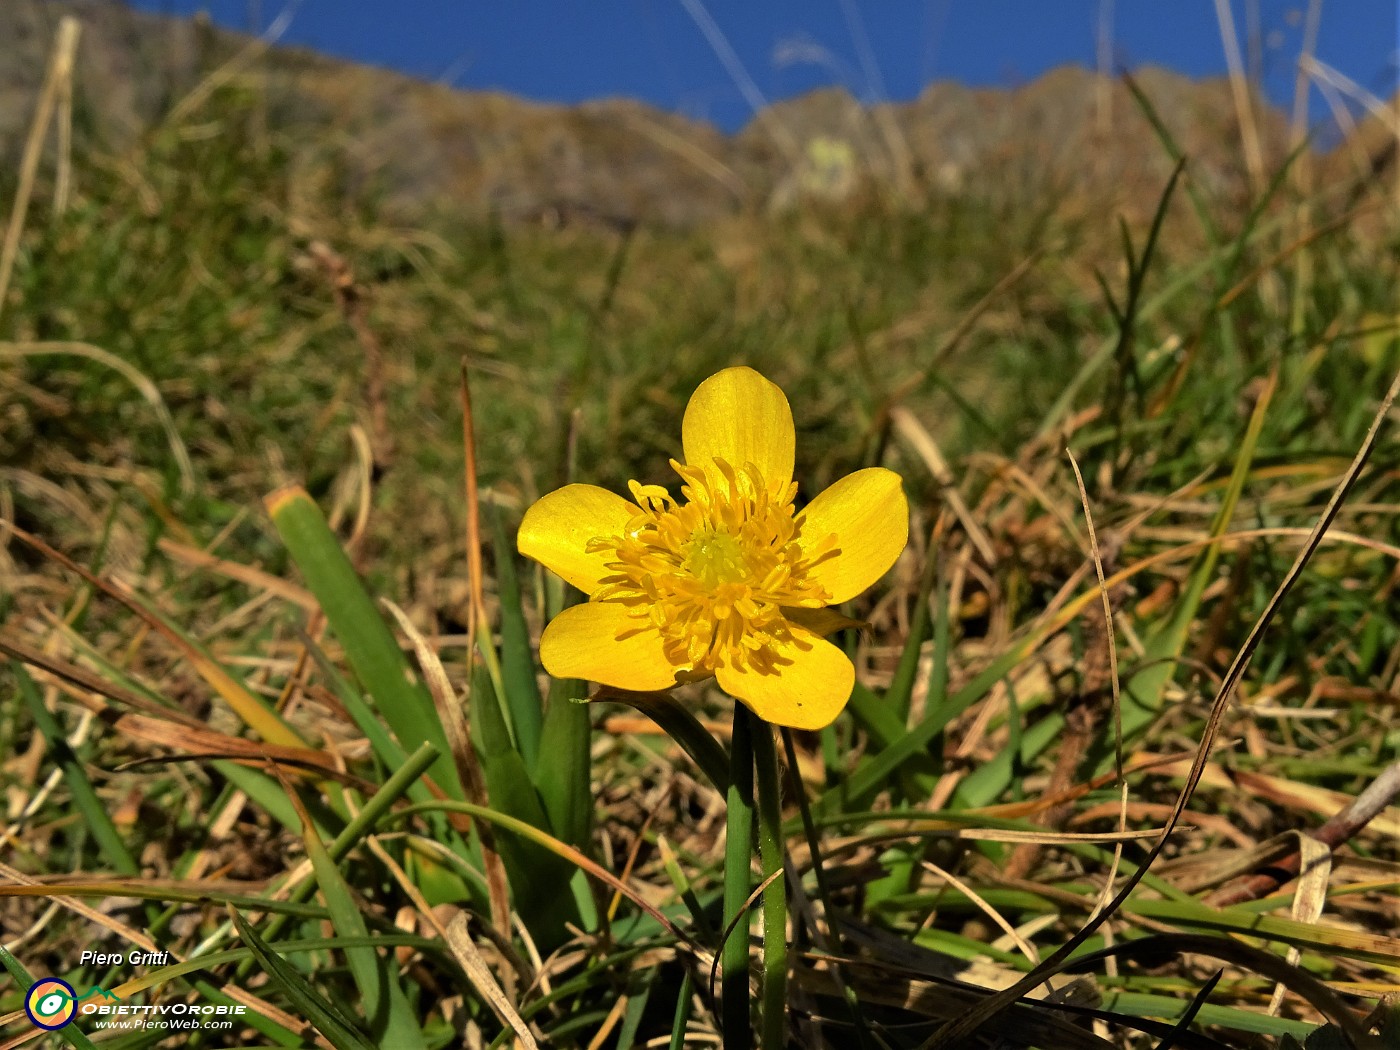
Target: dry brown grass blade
column 637, row 843
column 1212, row 823
column 458, row 732
column 927, row 313
column 464, row 949
column 350, row 296
column 365, row 474
column 1354, row 816
column 1062, row 610
column 1023, row 946
column 245, row 574
column 1058, row 838
column 1244, row 104
column 82, row 678
column 691, row 152
column 1294, row 246
column 203, row 743
column 957, row 1031
column 142, row 887
column 476, row 621
column 476, row 613
column 922, row 442
column 249, row 709
column 1308, row 902
column 1140, row 763
column 1110, row 641
column 739, row 920
column 57, row 80
column 229, row 71
column 1085, row 712
column 1111, row 646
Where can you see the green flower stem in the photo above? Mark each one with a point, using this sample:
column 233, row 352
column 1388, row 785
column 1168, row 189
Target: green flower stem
column 770, row 844
column 738, row 854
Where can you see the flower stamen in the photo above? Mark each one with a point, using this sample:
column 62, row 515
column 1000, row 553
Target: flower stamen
column 714, row 574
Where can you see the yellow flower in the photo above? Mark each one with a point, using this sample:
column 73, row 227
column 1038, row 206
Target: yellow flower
column 728, row 582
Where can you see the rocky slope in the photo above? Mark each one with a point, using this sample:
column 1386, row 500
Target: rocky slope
column 1070, row 136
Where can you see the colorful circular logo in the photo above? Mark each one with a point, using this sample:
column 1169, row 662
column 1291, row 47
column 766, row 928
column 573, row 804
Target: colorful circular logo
column 50, row 1003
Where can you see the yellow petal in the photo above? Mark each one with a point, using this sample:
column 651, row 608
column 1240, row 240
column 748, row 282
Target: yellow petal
column 599, row 642
column 810, row 687
column 869, row 516
column 556, row 531
column 738, row 416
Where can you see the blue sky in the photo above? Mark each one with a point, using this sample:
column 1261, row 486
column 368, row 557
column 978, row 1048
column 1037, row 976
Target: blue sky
column 573, row 50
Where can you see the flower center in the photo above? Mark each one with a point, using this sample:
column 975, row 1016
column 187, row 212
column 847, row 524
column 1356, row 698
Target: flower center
column 714, row 557
column 714, row 574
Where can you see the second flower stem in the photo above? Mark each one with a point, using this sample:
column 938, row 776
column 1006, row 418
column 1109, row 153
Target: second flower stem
column 770, row 842
column 738, row 854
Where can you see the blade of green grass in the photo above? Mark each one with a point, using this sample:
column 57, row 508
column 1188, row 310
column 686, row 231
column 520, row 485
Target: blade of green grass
column 1143, row 692
column 985, row 784
column 901, row 688
column 24, row 979
column 390, row 1017
column 386, row 748
column 871, row 775
column 94, row 813
column 682, row 1016
column 327, row 1018
column 1140, row 1004
column 369, row 645
column 636, row 1008
column 360, row 825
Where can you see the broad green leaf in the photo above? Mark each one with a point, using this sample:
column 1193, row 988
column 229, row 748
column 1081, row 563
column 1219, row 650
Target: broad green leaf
column 522, row 699
column 539, row 880
column 564, row 777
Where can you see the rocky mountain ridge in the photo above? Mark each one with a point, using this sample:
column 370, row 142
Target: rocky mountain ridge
column 1071, row 135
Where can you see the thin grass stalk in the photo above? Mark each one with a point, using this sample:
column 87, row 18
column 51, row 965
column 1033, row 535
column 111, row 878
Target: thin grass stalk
column 60, row 70
column 775, row 903
column 1303, row 170
column 738, row 852
column 360, row 826
column 682, row 1018
column 1239, row 87
column 85, row 799
column 780, row 134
